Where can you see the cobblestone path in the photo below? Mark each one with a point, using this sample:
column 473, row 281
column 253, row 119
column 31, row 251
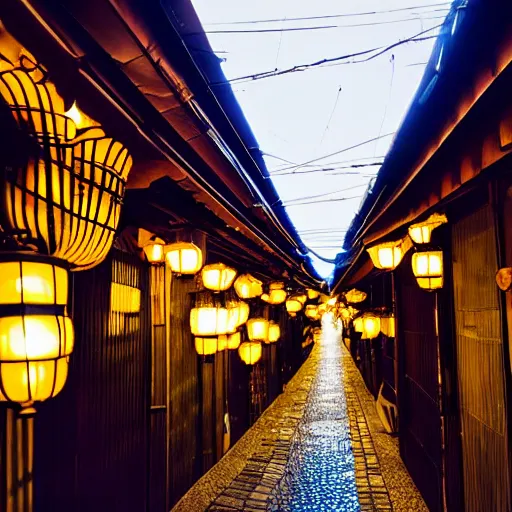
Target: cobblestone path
column 319, row 446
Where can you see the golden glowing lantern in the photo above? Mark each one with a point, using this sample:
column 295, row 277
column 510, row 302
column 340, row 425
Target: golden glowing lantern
column 274, row 297
column 355, row 296
column 250, row 352
column 358, row 324
column 302, row 297
column 311, row 311
column 274, row 332
column 67, row 193
column 322, row 308
column 427, row 267
column 238, row 314
column 276, row 285
column 312, row 294
column 257, row 329
column 36, row 335
column 371, row 326
column 222, row 342
column 388, row 255
column 184, row 258
column 293, row 305
column 206, row 346
column 387, row 326
column 421, row 233
column 154, row 252
column 332, row 301
column 234, row 340
column 218, row 277
column 208, row 317
column 248, row 287
column 345, row 313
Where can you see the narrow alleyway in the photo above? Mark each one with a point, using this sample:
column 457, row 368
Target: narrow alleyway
column 319, row 447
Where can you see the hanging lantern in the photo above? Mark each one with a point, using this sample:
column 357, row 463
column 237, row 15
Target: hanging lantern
column 234, row 340
column 222, row 342
column 238, row 314
column 36, row 335
column 358, row 324
column 293, row 305
column 250, row 352
column 274, row 297
column 206, row 346
column 248, row 287
column 421, row 233
column 387, row 326
column 276, row 285
column 345, row 313
column 302, row 297
column 322, row 308
column 312, row 294
column 388, row 255
column 209, row 317
column 371, row 326
column 427, row 267
column 218, row 277
column 355, row 296
column 274, row 332
column 154, row 252
column 66, row 196
column 311, row 311
column 332, row 301
column 257, row 329
column 184, row 258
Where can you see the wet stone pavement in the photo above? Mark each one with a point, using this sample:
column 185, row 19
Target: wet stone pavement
column 318, row 447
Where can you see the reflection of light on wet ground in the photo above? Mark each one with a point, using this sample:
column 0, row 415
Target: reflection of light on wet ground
column 320, row 474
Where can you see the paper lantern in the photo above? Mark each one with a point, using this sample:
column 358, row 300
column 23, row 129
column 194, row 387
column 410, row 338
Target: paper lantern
column 387, row 326
column 427, row 267
column 222, row 342
column 332, row 301
column 293, row 306
column 276, row 285
column 154, row 252
column 355, row 296
column 36, row 335
column 312, row 294
column 345, row 313
column 206, row 346
column 371, row 326
column 257, row 329
column 250, row 352
column 421, row 233
column 311, row 311
column 234, row 340
column 358, row 324
column 67, row 193
column 184, row 258
column 274, row 297
column 218, row 277
column 209, row 317
column 248, row 287
column 388, row 255
column 322, row 308
column 302, row 297
column 238, row 315
column 274, row 332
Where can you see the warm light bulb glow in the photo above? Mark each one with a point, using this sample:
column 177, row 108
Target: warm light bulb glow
column 311, row 311
column 427, row 267
column 293, row 305
column 248, row 287
column 387, row 326
column 250, row 352
column 257, row 329
column 184, row 258
column 421, row 233
column 234, row 340
column 205, row 346
column 312, row 294
column 154, row 253
column 275, row 297
column 209, row 321
column 218, row 277
column 222, row 342
column 274, row 332
column 371, row 326
column 388, row 255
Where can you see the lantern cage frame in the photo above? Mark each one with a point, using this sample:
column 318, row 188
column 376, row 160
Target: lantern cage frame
column 57, row 309
column 427, row 249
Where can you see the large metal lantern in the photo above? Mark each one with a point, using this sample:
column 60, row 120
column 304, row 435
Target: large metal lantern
column 154, row 252
column 355, row 296
column 206, row 346
column 208, row 317
column 257, row 329
column 250, row 352
column 218, row 277
column 184, row 258
column 427, row 267
column 293, row 305
column 36, row 334
column 388, row 255
column 274, row 332
column 66, row 196
column 421, row 233
column 248, row 287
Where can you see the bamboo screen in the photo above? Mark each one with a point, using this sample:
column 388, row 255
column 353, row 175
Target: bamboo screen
column 480, row 364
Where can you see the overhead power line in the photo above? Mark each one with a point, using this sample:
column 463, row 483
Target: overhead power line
column 377, row 51
column 330, row 16
column 325, row 201
column 287, row 203
column 318, row 27
column 326, row 169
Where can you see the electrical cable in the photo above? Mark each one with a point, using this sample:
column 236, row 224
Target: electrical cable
column 286, row 203
column 326, row 201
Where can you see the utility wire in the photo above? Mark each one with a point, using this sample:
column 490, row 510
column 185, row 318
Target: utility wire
column 339, row 162
column 286, row 203
column 326, row 201
column 301, row 67
column 330, row 117
column 277, row 174
column 306, row 29
column 330, row 16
